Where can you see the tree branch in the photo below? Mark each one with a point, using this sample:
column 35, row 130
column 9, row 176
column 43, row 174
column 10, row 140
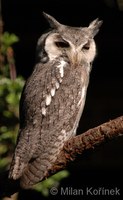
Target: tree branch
column 88, row 140
column 73, row 147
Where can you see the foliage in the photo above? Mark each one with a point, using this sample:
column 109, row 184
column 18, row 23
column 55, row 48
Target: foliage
column 7, row 62
column 7, row 40
column 10, row 92
column 45, row 187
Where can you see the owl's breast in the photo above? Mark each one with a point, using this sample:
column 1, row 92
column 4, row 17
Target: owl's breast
column 66, row 101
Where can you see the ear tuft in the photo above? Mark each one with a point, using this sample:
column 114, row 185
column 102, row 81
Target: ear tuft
column 52, row 21
column 95, row 26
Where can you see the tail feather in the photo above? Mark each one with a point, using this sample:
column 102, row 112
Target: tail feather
column 16, row 169
column 34, row 173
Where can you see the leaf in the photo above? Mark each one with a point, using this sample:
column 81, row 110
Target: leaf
column 3, row 149
column 8, row 39
column 4, row 162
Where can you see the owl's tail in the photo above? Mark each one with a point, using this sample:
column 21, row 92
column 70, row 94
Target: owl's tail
column 24, row 151
column 16, row 169
column 34, row 172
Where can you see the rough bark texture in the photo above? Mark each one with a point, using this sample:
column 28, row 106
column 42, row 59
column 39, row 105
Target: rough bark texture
column 73, row 147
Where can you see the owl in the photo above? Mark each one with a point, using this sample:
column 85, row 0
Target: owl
column 53, row 98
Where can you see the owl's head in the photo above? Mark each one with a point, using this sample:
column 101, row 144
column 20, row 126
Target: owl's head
column 75, row 44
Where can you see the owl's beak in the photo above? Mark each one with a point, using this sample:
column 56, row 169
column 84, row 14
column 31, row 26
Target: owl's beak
column 74, row 57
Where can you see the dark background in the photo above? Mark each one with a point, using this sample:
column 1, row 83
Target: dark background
column 102, row 166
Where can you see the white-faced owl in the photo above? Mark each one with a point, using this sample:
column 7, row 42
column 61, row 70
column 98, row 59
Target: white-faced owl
column 53, row 98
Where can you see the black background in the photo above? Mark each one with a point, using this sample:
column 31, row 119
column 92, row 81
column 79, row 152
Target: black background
column 102, row 166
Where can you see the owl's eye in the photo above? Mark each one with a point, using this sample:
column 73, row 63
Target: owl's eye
column 86, row 46
column 62, row 44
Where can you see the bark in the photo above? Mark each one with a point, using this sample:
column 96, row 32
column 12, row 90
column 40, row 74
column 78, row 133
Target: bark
column 73, row 147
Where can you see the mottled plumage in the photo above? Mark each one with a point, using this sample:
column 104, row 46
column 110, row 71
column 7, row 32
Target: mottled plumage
column 53, row 98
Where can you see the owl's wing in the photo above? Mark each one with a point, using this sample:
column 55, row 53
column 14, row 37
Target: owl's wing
column 30, row 122
column 48, row 117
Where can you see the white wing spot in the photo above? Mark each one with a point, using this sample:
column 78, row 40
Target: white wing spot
column 48, row 99
column 52, row 92
column 60, row 80
column 43, row 111
column 63, row 131
column 57, row 85
column 61, row 68
column 60, row 137
column 34, row 122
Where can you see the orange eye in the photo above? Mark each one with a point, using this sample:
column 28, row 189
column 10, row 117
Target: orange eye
column 62, row 44
column 86, row 46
